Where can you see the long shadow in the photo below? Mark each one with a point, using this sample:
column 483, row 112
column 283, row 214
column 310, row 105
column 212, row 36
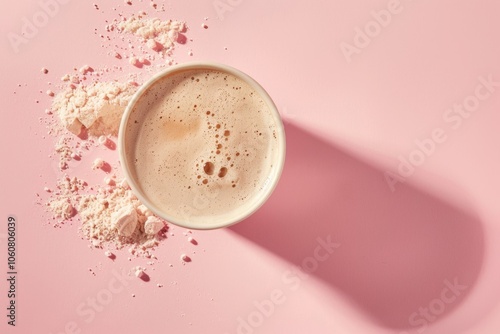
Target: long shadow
column 397, row 249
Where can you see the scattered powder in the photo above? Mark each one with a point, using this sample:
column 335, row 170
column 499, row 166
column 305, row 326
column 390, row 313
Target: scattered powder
column 63, row 200
column 158, row 35
column 68, row 148
column 62, row 208
column 112, row 216
column 85, row 113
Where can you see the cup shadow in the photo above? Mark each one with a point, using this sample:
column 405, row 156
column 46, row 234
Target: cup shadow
column 396, row 248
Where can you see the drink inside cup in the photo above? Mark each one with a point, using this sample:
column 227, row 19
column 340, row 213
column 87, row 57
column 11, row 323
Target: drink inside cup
column 202, row 145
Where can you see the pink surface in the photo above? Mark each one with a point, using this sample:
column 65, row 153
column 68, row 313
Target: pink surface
column 421, row 257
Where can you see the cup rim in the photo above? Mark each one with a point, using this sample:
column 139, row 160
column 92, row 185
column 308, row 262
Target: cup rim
column 281, row 147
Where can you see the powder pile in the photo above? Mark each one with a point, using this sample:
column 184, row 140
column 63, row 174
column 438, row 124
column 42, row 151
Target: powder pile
column 115, row 215
column 85, row 113
column 97, row 107
column 112, row 215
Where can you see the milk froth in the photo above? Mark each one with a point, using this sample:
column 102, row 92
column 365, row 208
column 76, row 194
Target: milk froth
column 201, row 144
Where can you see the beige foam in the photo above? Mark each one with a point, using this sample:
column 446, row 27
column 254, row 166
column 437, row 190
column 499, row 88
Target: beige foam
column 188, row 119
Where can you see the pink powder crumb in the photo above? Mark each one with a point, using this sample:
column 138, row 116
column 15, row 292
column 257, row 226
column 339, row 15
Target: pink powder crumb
column 110, row 254
column 140, row 273
column 185, row 258
column 109, row 181
column 135, row 62
column 44, row 70
column 154, row 45
column 50, row 93
column 98, row 163
column 204, row 26
column 86, row 69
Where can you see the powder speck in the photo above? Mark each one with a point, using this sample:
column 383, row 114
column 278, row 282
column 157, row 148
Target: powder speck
column 109, row 254
column 140, row 273
column 98, row 163
column 86, row 69
column 134, row 61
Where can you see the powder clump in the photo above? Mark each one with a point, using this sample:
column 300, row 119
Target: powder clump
column 158, row 35
column 97, row 107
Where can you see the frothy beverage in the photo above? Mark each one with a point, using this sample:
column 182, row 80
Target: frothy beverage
column 203, row 145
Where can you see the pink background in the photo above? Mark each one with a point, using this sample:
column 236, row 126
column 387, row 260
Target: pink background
column 347, row 124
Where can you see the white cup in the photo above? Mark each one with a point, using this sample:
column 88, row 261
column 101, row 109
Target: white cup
column 247, row 208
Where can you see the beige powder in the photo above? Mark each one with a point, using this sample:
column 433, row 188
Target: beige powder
column 98, row 213
column 97, row 107
column 159, row 36
column 85, row 114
